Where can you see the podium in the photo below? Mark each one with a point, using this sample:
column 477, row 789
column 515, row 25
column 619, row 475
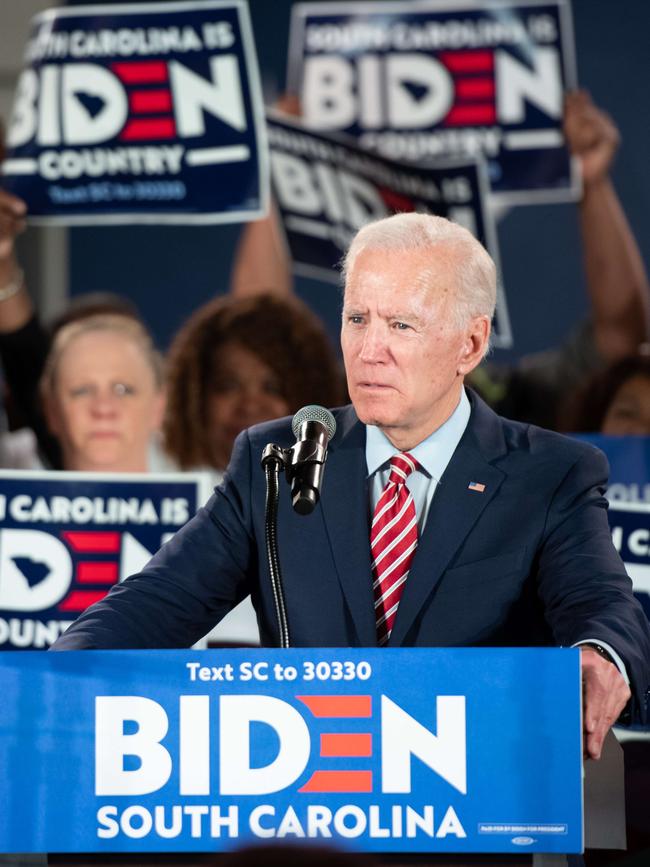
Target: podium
column 427, row 756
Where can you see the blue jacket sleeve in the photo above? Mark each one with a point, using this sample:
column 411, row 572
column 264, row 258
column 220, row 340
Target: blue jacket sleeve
column 582, row 581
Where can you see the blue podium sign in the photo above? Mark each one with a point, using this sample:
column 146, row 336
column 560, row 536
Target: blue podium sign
column 422, row 750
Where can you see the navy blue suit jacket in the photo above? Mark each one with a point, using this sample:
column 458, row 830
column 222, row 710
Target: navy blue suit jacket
column 529, row 561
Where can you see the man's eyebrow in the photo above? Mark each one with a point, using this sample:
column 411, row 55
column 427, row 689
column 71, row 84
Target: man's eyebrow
column 409, row 316
column 354, row 308
column 404, row 316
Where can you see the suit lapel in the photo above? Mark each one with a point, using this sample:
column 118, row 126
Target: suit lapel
column 454, row 511
column 344, row 502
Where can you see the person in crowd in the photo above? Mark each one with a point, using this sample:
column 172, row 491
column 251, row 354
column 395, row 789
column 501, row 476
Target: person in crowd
column 24, row 340
column 538, row 388
column 616, row 401
column 420, row 536
column 240, row 361
column 24, row 353
column 103, row 393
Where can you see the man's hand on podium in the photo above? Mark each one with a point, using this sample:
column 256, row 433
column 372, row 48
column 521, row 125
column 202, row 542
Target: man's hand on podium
column 604, row 695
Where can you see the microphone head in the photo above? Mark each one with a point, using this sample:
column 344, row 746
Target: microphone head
column 313, row 412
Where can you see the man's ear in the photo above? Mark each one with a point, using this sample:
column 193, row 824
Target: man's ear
column 477, row 340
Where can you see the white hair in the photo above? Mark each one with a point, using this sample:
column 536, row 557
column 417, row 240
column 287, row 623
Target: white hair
column 474, row 267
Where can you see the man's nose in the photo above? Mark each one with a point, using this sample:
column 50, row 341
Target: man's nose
column 373, row 345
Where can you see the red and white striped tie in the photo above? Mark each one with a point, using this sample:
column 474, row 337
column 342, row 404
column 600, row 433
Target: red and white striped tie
column 393, row 540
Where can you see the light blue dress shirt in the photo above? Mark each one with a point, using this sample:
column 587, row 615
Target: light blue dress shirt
column 433, row 455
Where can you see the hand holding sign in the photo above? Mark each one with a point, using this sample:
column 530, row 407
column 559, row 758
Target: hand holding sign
column 15, row 306
column 591, row 136
column 12, row 222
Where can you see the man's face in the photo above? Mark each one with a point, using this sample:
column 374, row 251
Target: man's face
column 405, row 357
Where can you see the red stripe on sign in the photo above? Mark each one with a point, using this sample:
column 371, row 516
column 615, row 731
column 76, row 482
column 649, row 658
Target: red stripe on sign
column 471, row 115
column 475, row 88
column 396, row 201
column 147, row 72
column 97, row 573
column 467, row 61
column 336, row 745
column 339, row 781
column 150, row 101
column 139, row 130
column 338, row 705
column 89, row 542
column 79, row 600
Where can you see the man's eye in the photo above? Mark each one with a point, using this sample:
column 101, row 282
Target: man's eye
column 355, row 320
column 401, row 326
column 121, row 389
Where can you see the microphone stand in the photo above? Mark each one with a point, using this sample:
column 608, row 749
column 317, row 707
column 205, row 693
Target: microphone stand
column 311, row 452
column 274, row 459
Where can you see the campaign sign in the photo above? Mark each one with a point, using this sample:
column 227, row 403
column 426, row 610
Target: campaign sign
column 140, row 113
column 422, row 750
column 629, row 466
column 628, row 493
column 423, row 80
column 630, row 523
column 67, row 538
column 327, row 188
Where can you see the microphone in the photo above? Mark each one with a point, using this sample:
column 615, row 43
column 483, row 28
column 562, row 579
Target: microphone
column 313, row 426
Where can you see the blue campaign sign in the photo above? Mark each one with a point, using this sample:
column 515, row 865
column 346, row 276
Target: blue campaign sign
column 445, row 78
column 423, row 750
column 67, row 538
column 629, row 466
column 327, row 187
column 630, row 523
column 140, row 113
column 628, row 493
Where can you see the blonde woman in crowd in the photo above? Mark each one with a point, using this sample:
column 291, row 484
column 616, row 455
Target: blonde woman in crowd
column 103, row 393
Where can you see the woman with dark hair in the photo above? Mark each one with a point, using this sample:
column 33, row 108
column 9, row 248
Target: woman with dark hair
column 617, row 401
column 240, row 361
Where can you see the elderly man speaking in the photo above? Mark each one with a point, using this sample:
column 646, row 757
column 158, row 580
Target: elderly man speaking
column 439, row 523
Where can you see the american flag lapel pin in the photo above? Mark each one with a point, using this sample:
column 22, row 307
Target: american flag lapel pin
column 479, row 487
